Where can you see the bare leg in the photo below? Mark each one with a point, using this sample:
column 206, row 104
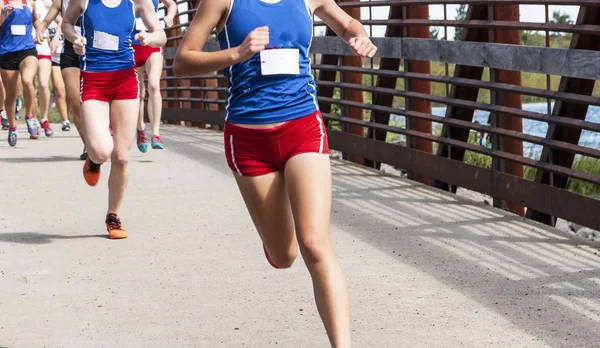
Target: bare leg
column 10, row 79
column 44, row 71
column 123, row 120
column 95, row 130
column 142, row 86
column 154, row 66
column 267, row 201
column 3, row 115
column 2, row 95
column 60, row 97
column 73, row 88
column 293, row 209
column 308, row 181
column 28, row 70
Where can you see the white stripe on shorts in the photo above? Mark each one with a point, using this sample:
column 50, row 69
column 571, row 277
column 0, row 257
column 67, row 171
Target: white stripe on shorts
column 233, row 156
column 321, row 128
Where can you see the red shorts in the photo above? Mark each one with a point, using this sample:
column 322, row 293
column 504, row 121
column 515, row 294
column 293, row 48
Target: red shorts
column 142, row 53
column 45, row 57
column 109, row 86
column 254, row 152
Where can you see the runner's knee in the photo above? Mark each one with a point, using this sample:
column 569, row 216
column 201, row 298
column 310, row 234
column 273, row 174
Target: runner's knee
column 315, row 247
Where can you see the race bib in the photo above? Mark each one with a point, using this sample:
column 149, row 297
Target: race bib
column 284, row 61
column 77, row 30
column 139, row 25
column 51, row 33
column 104, row 41
column 18, row 29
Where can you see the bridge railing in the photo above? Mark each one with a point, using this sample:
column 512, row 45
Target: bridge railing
column 474, row 98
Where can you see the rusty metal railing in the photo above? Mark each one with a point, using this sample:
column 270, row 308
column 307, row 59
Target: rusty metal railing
column 424, row 103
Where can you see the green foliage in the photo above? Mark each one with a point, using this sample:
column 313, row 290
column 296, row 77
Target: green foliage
column 532, row 38
column 586, row 165
column 461, row 15
column 475, row 158
column 559, row 17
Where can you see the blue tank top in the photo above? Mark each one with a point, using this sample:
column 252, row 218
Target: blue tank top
column 139, row 25
column 108, row 34
column 254, row 98
column 16, row 34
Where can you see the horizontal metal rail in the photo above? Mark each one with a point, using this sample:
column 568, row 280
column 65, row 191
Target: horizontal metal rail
column 577, row 64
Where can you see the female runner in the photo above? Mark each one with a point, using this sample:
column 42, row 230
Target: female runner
column 69, row 66
column 44, row 65
column 56, row 39
column 18, row 57
column 109, row 87
column 150, row 59
column 275, row 139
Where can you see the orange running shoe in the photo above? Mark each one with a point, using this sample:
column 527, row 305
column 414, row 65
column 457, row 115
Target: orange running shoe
column 91, row 172
column 114, row 227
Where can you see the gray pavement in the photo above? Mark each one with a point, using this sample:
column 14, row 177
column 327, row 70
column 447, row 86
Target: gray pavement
column 425, row 268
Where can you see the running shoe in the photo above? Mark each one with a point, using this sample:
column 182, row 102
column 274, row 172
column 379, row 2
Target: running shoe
column 91, row 172
column 4, row 118
column 32, row 127
column 47, row 130
column 114, row 227
column 66, row 126
column 12, row 137
column 84, row 154
column 142, row 141
column 157, row 142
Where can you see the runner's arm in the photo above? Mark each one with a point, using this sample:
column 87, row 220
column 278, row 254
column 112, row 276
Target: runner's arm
column 5, row 12
column 171, row 7
column 71, row 15
column 156, row 36
column 53, row 12
column 55, row 41
column 34, row 15
column 190, row 60
column 346, row 27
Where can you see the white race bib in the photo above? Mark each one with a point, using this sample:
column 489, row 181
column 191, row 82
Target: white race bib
column 77, row 30
column 105, row 41
column 280, row 61
column 139, row 25
column 18, row 29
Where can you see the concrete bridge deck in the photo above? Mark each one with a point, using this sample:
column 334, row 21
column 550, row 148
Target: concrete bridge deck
column 425, row 268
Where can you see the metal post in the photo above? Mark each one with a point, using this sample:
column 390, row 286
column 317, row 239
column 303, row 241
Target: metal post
column 509, row 12
column 353, row 94
column 419, row 86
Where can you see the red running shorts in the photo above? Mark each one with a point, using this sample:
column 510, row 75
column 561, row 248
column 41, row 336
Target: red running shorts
column 254, row 152
column 109, row 86
column 142, row 53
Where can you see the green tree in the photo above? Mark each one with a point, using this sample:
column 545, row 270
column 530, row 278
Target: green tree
column 561, row 18
column 434, row 33
column 461, row 15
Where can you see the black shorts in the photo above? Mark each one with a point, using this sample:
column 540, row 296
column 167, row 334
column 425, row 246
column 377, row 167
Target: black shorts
column 12, row 60
column 55, row 63
column 69, row 59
